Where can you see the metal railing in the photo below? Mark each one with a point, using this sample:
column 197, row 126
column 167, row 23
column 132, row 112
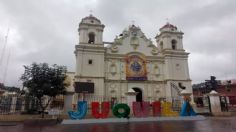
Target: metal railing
column 13, row 104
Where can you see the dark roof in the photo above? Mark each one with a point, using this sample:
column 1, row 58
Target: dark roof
column 168, row 25
column 1, row 86
column 91, row 17
column 10, row 89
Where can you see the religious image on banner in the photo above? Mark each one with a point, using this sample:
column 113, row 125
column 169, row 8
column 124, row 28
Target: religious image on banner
column 136, row 67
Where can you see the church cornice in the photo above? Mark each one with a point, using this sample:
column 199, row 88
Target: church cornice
column 167, row 34
column 82, row 77
column 70, row 72
column 122, row 56
column 90, row 45
column 89, row 51
column 85, row 25
column 182, row 80
column 108, row 43
column 128, row 81
column 175, row 53
column 90, row 48
column 175, row 56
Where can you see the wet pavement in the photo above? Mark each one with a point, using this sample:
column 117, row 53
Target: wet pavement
column 211, row 124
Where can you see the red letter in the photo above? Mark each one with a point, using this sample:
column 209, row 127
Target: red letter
column 156, row 108
column 105, row 110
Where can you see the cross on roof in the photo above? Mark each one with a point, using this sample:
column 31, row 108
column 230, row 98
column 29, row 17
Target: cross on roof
column 167, row 20
column 133, row 22
column 91, row 12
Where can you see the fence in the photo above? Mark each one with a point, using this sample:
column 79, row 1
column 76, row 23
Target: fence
column 13, row 107
column 227, row 103
column 13, row 104
column 30, row 105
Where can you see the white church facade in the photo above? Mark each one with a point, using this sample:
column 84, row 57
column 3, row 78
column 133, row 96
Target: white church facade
column 132, row 62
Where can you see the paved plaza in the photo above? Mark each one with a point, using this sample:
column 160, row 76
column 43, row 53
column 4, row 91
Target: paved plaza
column 210, row 124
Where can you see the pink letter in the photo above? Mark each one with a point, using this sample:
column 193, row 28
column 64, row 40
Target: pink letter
column 141, row 109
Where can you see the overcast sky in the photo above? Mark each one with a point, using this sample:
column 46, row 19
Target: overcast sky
column 46, row 31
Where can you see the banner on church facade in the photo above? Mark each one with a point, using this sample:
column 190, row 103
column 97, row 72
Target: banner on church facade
column 136, row 67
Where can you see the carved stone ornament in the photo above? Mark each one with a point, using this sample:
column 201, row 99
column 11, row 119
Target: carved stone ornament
column 157, row 91
column 112, row 85
column 156, row 70
column 134, row 41
column 154, row 51
column 125, row 34
column 118, row 41
column 134, row 30
column 113, row 68
column 114, row 48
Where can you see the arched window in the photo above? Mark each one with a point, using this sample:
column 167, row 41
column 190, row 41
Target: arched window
column 174, row 44
column 161, row 45
column 91, row 36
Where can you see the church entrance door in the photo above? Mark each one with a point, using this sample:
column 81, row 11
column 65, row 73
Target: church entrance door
column 139, row 96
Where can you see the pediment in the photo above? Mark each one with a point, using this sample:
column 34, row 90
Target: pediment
column 133, row 39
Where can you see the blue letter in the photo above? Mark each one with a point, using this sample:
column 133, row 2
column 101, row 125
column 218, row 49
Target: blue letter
column 81, row 111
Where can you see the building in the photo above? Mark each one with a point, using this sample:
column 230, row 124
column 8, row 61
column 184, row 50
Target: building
column 224, row 88
column 131, row 62
column 7, row 90
column 2, row 89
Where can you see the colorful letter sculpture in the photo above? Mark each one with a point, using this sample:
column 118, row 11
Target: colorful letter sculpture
column 187, row 110
column 167, row 110
column 124, row 114
column 141, row 109
column 81, row 111
column 104, row 112
column 156, row 108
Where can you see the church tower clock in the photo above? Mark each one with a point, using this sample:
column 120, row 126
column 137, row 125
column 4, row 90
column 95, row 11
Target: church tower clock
column 89, row 54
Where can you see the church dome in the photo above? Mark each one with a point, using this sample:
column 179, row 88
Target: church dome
column 90, row 20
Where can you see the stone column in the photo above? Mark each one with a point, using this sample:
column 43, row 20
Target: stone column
column 68, row 101
column 131, row 97
column 13, row 104
column 215, row 102
column 23, row 103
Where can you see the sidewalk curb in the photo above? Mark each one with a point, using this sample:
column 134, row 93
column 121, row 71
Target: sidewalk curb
column 124, row 120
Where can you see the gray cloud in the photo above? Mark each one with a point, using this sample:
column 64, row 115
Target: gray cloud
column 46, row 31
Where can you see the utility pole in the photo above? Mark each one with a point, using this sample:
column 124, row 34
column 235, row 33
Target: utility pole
column 4, row 47
column 6, row 68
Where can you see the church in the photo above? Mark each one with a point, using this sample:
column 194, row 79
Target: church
column 131, row 63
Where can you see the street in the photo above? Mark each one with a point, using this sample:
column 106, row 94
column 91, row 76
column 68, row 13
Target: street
column 211, row 124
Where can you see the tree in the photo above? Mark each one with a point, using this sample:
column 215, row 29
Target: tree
column 42, row 81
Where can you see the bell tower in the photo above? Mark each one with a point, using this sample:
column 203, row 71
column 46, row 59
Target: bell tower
column 170, row 38
column 89, row 54
column 91, row 31
column 170, row 45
